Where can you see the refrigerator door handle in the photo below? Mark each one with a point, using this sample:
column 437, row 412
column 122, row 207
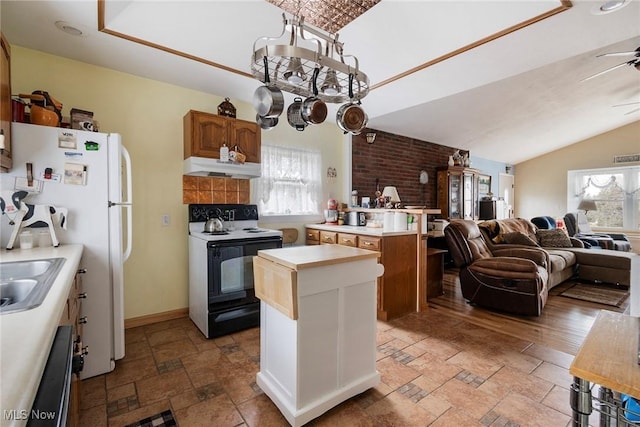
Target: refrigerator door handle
column 128, row 203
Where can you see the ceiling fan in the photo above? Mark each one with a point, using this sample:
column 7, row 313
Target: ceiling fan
column 629, row 103
column 634, row 62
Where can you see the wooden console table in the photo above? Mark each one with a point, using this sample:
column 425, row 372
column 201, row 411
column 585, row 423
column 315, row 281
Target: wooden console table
column 608, row 357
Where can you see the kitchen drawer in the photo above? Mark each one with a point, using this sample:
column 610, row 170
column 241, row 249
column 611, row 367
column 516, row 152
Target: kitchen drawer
column 328, row 237
column 312, row 236
column 347, row 239
column 368, row 242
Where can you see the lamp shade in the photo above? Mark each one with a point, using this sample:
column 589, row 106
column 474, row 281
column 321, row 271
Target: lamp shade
column 587, row 205
column 392, row 193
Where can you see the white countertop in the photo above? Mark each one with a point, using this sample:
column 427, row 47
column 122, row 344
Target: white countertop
column 366, row 231
column 26, row 336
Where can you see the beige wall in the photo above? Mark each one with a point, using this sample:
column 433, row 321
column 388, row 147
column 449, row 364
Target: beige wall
column 541, row 183
column 148, row 114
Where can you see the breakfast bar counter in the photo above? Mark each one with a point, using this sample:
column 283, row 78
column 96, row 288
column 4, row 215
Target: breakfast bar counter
column 317, row 326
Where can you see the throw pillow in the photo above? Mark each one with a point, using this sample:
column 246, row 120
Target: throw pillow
column 518, row 238
column 553, row 238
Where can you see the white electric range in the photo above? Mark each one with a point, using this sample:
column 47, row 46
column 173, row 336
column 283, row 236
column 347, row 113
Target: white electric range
column 221, row 292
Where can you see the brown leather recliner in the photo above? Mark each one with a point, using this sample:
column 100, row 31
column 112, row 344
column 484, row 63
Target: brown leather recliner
column 513, row 280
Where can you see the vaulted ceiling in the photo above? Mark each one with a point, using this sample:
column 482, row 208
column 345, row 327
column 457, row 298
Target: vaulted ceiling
column 499, row 78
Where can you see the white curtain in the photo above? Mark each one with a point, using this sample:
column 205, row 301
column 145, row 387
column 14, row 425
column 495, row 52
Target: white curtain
column 291, row 181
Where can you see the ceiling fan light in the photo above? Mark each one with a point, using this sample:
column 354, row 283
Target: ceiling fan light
column 295, row 74
column 330, row 86
column 611, row 5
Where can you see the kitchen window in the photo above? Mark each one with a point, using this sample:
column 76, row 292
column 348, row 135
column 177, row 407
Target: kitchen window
column 616, row 192
column 291, row 182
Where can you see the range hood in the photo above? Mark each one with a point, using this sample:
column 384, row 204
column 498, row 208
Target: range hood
column 203, row 166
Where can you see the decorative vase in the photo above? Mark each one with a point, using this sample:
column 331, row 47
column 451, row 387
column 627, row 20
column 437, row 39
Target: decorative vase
column 451, row 162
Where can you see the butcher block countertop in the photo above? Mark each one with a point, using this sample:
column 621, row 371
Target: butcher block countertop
column 301, row 257
column 27, row 335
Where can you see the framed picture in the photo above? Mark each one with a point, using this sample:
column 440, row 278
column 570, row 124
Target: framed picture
column 484, row 185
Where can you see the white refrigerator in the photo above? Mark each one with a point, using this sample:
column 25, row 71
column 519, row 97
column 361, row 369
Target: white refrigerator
column 89, row 174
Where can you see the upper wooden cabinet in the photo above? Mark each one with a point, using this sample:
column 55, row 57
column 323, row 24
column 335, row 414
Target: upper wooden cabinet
column 204, row 134
column 458, row 192
column 5, row 104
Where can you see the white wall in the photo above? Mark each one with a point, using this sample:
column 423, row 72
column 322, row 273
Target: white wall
column 541, row 183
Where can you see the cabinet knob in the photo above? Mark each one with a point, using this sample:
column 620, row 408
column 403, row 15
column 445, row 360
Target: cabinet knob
column 82, row 320
column 82, row 295
column 368, row 244
column 82, row 270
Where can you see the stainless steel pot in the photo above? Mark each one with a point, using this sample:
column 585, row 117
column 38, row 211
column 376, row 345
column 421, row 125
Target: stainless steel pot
column 213, row 225
column 266, row 123
column 268, row 100
column 294, row 116
column 314, row 110
column 350, row 117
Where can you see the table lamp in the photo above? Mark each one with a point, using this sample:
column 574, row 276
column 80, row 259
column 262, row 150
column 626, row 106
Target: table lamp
column 587, row 205
column 392, row 194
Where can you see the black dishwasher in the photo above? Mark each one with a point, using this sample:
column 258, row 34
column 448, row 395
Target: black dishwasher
column 51, row 404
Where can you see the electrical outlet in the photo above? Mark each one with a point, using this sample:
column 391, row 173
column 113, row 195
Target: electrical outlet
column 166, row 220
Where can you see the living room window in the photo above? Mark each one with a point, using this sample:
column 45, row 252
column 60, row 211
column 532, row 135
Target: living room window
column 291, row 182
column 616, row 192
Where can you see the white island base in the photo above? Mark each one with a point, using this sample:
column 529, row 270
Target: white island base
column 317, row 327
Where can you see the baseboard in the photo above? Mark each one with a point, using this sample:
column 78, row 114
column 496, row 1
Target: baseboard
column 155, row 318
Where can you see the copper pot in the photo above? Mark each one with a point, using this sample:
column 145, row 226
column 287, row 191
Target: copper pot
column 314, row 110
column 351, row 118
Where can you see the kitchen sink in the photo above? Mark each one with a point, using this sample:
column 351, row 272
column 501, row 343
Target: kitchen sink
column 25, row 284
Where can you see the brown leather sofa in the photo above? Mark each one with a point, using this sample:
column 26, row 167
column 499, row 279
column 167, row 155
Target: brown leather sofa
column 516, row 277
column 602, row 265
column 562, row 264
column 509, row 279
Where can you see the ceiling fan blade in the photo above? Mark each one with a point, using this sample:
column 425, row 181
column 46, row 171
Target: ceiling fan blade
column 632, row 53
column 606, row 71
column 632, row 111
column 628, row 103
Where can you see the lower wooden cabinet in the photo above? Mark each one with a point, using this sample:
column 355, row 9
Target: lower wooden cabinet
column 397, row 293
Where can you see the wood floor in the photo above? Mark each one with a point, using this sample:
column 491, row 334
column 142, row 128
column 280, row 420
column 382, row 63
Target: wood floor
column 563, row 325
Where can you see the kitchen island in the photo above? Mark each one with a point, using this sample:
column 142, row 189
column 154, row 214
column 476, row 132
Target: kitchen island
column 317, row 326
column 27, row 335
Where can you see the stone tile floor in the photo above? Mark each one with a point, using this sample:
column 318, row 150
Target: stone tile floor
column 436, row 371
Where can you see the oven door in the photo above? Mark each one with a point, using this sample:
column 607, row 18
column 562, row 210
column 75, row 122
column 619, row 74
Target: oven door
column 230, row 268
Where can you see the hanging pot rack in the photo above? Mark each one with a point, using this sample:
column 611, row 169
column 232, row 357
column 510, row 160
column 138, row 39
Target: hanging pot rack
column 327, row 55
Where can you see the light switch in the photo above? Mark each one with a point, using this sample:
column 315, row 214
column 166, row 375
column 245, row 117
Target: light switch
column 166, row 220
